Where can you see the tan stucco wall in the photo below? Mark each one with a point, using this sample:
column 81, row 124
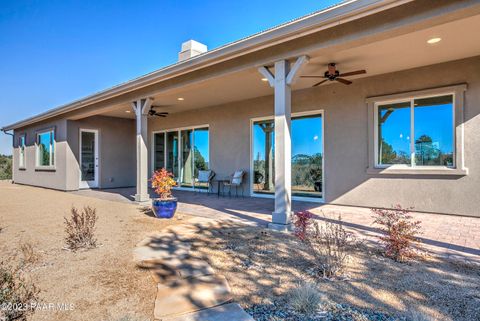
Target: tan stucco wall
column 117, row 151
column 346, row 139
column 31, row 176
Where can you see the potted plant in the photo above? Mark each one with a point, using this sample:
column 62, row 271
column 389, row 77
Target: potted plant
column 166, row 205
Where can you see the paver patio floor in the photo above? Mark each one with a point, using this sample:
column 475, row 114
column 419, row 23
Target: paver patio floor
column 449, row 235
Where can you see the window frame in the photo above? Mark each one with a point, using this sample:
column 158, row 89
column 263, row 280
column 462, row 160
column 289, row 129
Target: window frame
column 20, row 165
column 179, row 157
column 53, row 162
column 458, row 167
column 320, row 112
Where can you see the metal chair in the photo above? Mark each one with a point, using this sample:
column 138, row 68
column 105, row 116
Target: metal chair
column 206, row 176
column 236, row 180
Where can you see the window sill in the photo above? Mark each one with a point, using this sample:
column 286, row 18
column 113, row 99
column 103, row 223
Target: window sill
column 45, row 169
column 418, row 171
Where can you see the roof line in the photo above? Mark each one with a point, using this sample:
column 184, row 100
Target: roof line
column 323, row 19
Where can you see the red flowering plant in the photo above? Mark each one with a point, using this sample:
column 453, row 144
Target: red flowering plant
column 399, row 232
column 162, row 181
column 302, row 222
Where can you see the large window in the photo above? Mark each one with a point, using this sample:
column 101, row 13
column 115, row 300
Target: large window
column 21, row 153
column 45, row 149
column 183, row 152
column 416, row 132
column 307, row 156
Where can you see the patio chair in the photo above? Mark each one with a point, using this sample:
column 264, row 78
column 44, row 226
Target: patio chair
column 236, row 180
column 206, row 176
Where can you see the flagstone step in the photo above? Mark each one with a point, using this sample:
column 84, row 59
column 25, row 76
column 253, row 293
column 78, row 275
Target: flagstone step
column 174, row 268
column 226, row 312
column 160, row 249
column 190, row 295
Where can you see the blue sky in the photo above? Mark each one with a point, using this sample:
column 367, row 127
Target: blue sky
column 53, row 52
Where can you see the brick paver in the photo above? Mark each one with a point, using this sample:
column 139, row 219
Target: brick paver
column 448, row 235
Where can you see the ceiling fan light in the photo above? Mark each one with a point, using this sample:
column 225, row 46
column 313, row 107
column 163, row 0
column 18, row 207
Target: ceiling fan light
column 434, row 40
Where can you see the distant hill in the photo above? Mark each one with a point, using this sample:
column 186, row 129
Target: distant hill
column 5, row 167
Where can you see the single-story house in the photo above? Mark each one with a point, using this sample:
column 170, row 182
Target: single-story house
column 367, row 103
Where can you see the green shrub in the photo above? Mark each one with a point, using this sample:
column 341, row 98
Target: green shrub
column 5, row 167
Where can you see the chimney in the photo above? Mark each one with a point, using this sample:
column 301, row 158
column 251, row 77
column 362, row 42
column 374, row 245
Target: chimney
column 191, row 49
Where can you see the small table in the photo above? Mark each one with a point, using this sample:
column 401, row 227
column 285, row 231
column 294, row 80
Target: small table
column 220, row 183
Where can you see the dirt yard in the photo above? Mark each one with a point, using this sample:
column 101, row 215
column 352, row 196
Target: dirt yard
column 262, row 267
column 101, row 283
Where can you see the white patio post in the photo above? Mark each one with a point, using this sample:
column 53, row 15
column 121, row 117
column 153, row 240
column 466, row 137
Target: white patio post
column 281, row 82
column 141, row 107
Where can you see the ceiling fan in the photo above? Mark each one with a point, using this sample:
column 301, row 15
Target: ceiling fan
column 152, row 112
column 333, row 74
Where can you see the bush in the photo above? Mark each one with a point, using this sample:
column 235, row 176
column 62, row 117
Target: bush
column 302, row 222
column 15, row 291
column 5, row 167
column 399, row 232
column 162, row 181
column 330, row 244
column 80, row 228
column 305, row 298
column 29, row 256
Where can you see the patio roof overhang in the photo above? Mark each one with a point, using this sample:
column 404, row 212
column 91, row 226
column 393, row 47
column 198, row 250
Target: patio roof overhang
column 356, row 34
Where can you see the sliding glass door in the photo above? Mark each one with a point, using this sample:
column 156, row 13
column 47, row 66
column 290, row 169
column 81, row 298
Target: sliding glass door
column 183, row 152
column 307, row 156
column 186, row 169
column 172, row 153
column 201, row 159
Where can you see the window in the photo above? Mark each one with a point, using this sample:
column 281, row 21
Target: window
column 21, row 155
column 184, row 153
column 307, row 156
column 417, row 132
column 45, row 149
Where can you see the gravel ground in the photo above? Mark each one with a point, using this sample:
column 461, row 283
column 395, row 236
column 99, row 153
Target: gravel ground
column 278, row 310
column 263, row 266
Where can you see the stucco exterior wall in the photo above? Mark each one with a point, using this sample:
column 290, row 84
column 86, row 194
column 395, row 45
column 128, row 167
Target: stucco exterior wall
column 117, row 158
column 117, row 151
column 30, row 175
column 346, row 139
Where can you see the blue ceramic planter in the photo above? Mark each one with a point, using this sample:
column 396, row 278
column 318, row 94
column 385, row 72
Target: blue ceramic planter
column 164, row 208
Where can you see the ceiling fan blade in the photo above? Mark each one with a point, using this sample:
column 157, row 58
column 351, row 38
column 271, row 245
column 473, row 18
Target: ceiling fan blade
column 343, row 81
column 160, row 115
column 312, row 76
column 353, row 73
column 319, row 83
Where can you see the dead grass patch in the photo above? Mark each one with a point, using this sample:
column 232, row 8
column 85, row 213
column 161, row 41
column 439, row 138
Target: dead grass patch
column 262, row 266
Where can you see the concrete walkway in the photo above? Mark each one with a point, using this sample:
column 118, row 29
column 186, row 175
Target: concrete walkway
column 187, row 288
column 449, row 236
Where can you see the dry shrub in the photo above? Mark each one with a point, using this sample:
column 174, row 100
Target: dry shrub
column 29, row 256
column 80, row 228
column 305, row 298
column 16, row 294
column 330, row 244
column 399, row 232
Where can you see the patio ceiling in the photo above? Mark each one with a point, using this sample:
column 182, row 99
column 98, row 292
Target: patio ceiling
column 407, row 51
